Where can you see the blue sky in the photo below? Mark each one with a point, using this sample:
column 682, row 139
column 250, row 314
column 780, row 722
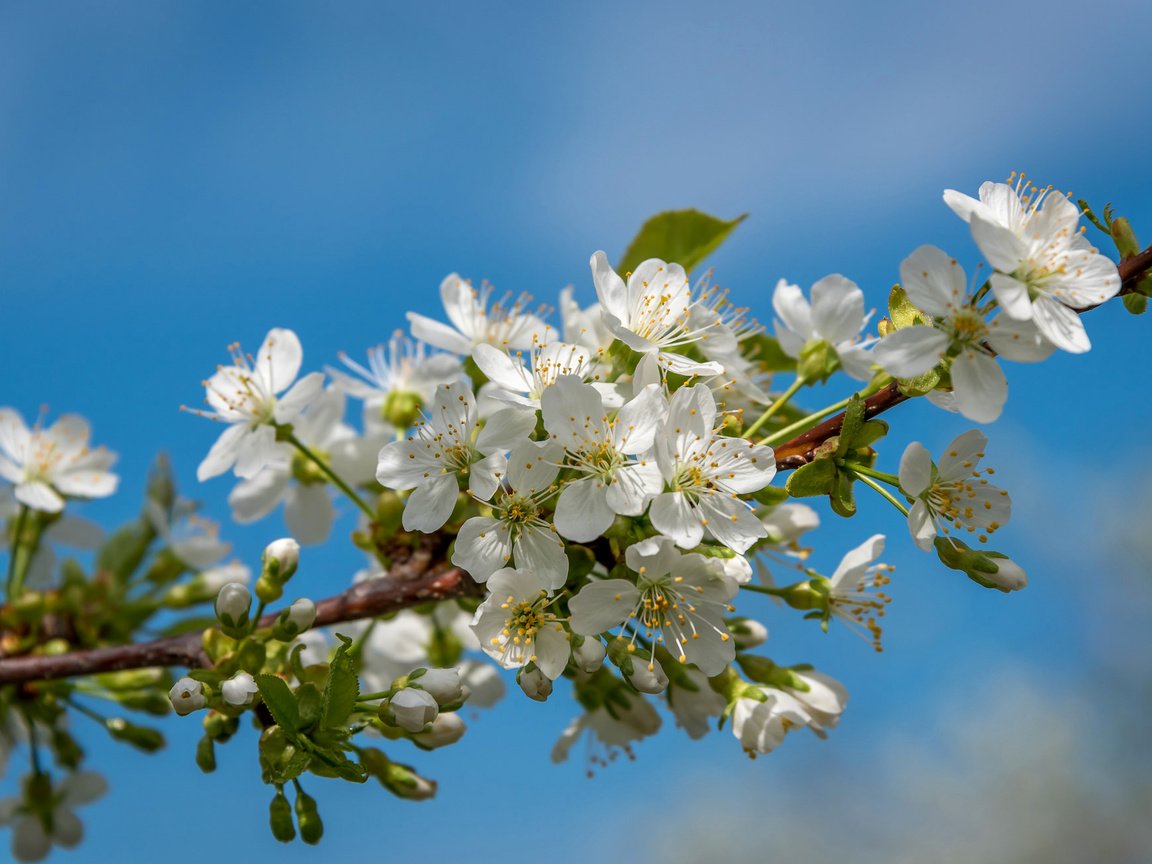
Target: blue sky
column 175, row 177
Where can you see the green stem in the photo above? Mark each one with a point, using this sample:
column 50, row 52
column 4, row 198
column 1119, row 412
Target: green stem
column 256, row 618
column 803, row 425
column 764, row 589
column 867, row 481
column 774, row 407
column 890, row 479
column 331, row 475
column 22, row 551
column 368, row 697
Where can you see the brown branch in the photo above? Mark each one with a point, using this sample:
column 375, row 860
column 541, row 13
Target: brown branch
column 415, row 577
column 363, row 600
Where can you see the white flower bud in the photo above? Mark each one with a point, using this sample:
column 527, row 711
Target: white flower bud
column 281, row 558
column 413, row 709
column 1009, row 575
column 748, row 633
column 535, row 684
column 647, row 676
column 443, row 684
column 187, row 695
column 589, row 656
column 232, row 604
column 446, row 729
column 302, row 613
column 238, row 689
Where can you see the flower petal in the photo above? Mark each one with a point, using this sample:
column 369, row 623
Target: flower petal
column 431, row 503
column 601, row 606
column 980, row 386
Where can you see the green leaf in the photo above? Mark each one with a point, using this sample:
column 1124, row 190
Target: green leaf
column 281, row 702
column 343, row 686
column 685, row 237
column 815, row 478
column 853, row 421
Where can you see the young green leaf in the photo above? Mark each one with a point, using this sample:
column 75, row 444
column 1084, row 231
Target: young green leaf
column 685, row 237
column 280, row 701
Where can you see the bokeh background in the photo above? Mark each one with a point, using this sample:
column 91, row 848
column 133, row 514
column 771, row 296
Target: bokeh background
column 177, row 176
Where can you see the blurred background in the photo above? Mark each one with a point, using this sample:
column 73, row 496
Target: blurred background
column 175, row 177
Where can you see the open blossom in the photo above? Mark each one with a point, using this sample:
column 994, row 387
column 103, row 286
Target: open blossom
column 291, row 478
column 652, row 314
column 678, row 601
column 47, row 465
column 760, row 724
column 31, row 840
column 517, row 532
column 694, row 703
column 855, row 591
column 601, row 449
column 610, row 728
column 505, row 323
column 938, row 286
column 246, row 396
column 517, row 385
column 954, row 493
column 400, row 379
column 584, row 326
column 442, row 449
column 1045, row 267
column 824, row 700
column 835, row 316
column 706, row 472
column 516, row 624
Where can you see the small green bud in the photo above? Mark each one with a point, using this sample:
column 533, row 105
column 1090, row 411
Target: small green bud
column 1124, row 238
column 149, row 701
column 401, row 408
column 308, row 817
column 403, row 782
column 141, row 737
column 268, row 590
column 206, row 754
column 1135, row 303
column 280, row 818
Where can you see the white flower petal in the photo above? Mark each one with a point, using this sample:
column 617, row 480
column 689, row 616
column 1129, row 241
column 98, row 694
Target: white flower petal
column 673, row 516
column 483, row 546
column 254, row 499
column 278, row 361
column 309, row 513
column 39, row 496
column 582, row 511
column 915, row 470
column 601, row 606
column 980, row 386
column 1060, row 325
column 837, row 309
column 431, row 503
column 911, row 351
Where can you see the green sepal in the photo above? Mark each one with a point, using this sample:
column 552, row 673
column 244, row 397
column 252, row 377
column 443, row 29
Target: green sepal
column 902, row 311
column 277, row 695
column 843, row 498
column 870, row 432
column 811, row 480
column 818, row 360
column 1124, row 238
column 685, row 237
column 343, row 686
column 770, row 496
column 281, row 760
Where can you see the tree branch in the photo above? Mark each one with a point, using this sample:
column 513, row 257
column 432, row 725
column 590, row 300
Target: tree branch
column 416, row 575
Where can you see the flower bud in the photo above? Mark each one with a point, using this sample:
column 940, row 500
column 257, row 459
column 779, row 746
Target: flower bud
column 280, row 818
column 239, row 689
column 206, row 754
column 647, row 676
column 446, row 729
column 232, row 605
column 1009, row 575
column 410, row 709
column 443, row 685
column 294, row 620
column 748, row 632
column 280, row 559
column 535, row 684
column 308, row 815
column 589, row 654
column 187, row 695
column 143, row 738
column 403, row 782
column 269, row 590
column 401, row 408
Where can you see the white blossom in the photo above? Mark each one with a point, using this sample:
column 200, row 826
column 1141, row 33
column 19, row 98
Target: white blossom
column 31, row 840
column 936, row 284
column 245, row 395
column 515, row 384
column 954, row 493
column 760, row 724
column 652, row 314
column 678, row 601
column 706, row 473
column 824, row 700
column 445, row 448
column 517, row 531
column 835, row 316
column 694, row 703
column 610, row 728
column 600, row 448
column 855, row 591
column 1046, row 269
column 475, row 322
column 47, row 465
column 516, row 624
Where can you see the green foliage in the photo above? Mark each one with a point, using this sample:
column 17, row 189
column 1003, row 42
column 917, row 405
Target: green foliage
column 685, row 237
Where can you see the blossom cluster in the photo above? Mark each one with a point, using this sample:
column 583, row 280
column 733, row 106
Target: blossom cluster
column 610, row 484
